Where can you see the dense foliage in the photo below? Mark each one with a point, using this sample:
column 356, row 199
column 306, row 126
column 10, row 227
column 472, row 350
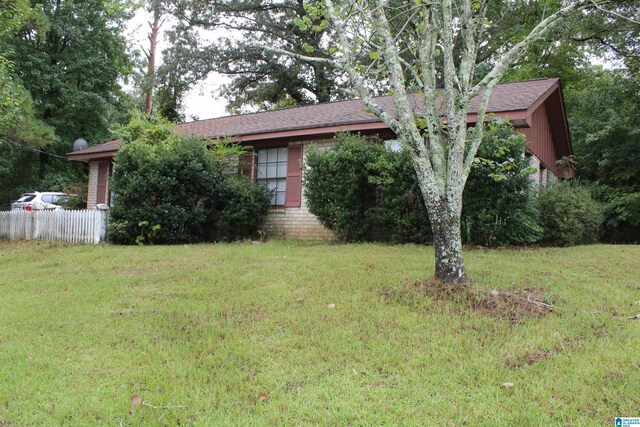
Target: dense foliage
column 241, row 208
column 338, row 188
column 607, row 146
column 60, row 65
column 399, row 215
column 364, row 191
column 497, row 207
column 569, row 215
column 259, row 78
column 163, row 191
column 173, row 190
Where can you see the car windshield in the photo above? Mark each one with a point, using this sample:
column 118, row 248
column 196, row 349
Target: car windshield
column 27, row 198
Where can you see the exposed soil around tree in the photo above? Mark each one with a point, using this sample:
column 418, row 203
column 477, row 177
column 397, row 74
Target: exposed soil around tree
column 513, row 305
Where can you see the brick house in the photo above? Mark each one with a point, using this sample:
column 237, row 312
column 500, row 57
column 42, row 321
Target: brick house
column 279, row 139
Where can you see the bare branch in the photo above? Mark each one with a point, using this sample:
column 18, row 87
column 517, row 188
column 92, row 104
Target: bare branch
column 300, row 57
column 613, row 13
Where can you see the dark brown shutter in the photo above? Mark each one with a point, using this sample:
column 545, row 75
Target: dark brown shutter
column 293, row 196
column 101, row 194
column 246, row 164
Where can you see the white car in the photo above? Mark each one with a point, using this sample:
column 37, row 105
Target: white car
column 37, row 200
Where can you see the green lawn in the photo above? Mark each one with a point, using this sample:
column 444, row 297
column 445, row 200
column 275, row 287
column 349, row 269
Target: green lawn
column 244, row 334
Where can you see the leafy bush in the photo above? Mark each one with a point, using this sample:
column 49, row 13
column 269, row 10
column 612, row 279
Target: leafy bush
column 163, row 191
column 362, row 191
column 173, row 190
column 400, row 215
column 242, row 207
column 569, row 215
column 338, row 189
column 497, row 204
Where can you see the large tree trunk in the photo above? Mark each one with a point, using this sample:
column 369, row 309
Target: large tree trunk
column 445, row 224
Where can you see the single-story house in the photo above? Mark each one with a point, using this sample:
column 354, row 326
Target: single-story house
column 279, row 140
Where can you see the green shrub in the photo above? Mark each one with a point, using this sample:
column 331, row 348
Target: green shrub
column 497, row 204
column 338, row 189
column 163, row 191
column 569, row 215
column 242, row 208
column 621, row 213
column 173, row 190
column 400, row 215
column 362, row 191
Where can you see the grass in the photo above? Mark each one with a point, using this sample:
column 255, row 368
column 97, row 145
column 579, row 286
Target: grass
column 243, row 334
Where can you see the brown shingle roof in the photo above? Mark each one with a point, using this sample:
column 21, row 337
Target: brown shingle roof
column 505, row 97
column 515, row 96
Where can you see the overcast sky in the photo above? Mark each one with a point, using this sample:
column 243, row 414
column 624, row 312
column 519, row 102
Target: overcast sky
column 201, row 100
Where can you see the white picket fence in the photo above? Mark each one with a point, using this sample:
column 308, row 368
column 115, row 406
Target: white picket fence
column 81, row 226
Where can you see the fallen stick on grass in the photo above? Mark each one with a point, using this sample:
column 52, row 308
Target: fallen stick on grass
column 542, row 304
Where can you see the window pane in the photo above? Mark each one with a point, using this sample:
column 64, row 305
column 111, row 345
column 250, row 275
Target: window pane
column 272, row 155
column 282, row 154
column 262, row 156
column 262, row 171
column 271, row 170
column 282, row 170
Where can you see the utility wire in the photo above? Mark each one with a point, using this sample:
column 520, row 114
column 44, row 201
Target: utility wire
column 26, row 147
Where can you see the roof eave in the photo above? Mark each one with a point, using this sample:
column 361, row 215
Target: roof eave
column 81, row 157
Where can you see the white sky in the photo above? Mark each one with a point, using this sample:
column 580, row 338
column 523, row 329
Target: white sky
column 201, row 100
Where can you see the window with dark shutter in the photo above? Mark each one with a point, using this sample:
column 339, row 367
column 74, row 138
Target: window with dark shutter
column 272, row 172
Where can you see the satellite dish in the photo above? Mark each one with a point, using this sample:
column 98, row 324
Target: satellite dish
column 80, row 144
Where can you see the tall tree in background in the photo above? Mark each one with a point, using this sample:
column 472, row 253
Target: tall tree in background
column 69, row 56
column 157, row 11
column 22, row 135
column 262, row 79
column 183, row 66
column 60, row 68
column 442, row 38
column 607, row 147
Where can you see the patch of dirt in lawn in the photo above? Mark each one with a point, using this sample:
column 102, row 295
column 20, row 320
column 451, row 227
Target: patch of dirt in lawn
column 534, row 356
column 514, row 306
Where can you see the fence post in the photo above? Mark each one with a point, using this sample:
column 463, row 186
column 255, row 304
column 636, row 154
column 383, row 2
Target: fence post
column 35, row 227
column 103, row 209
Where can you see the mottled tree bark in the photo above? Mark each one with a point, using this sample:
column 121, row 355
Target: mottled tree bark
column 447, row 242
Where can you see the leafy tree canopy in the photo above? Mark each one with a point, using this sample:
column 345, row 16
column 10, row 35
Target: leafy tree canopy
column 261, row 79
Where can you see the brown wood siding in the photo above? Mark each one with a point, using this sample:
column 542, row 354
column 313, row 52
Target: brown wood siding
column 103, row 172
column 293, row 196
column 540, row 139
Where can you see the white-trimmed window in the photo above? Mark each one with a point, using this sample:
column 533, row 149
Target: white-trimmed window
column 272, row 171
